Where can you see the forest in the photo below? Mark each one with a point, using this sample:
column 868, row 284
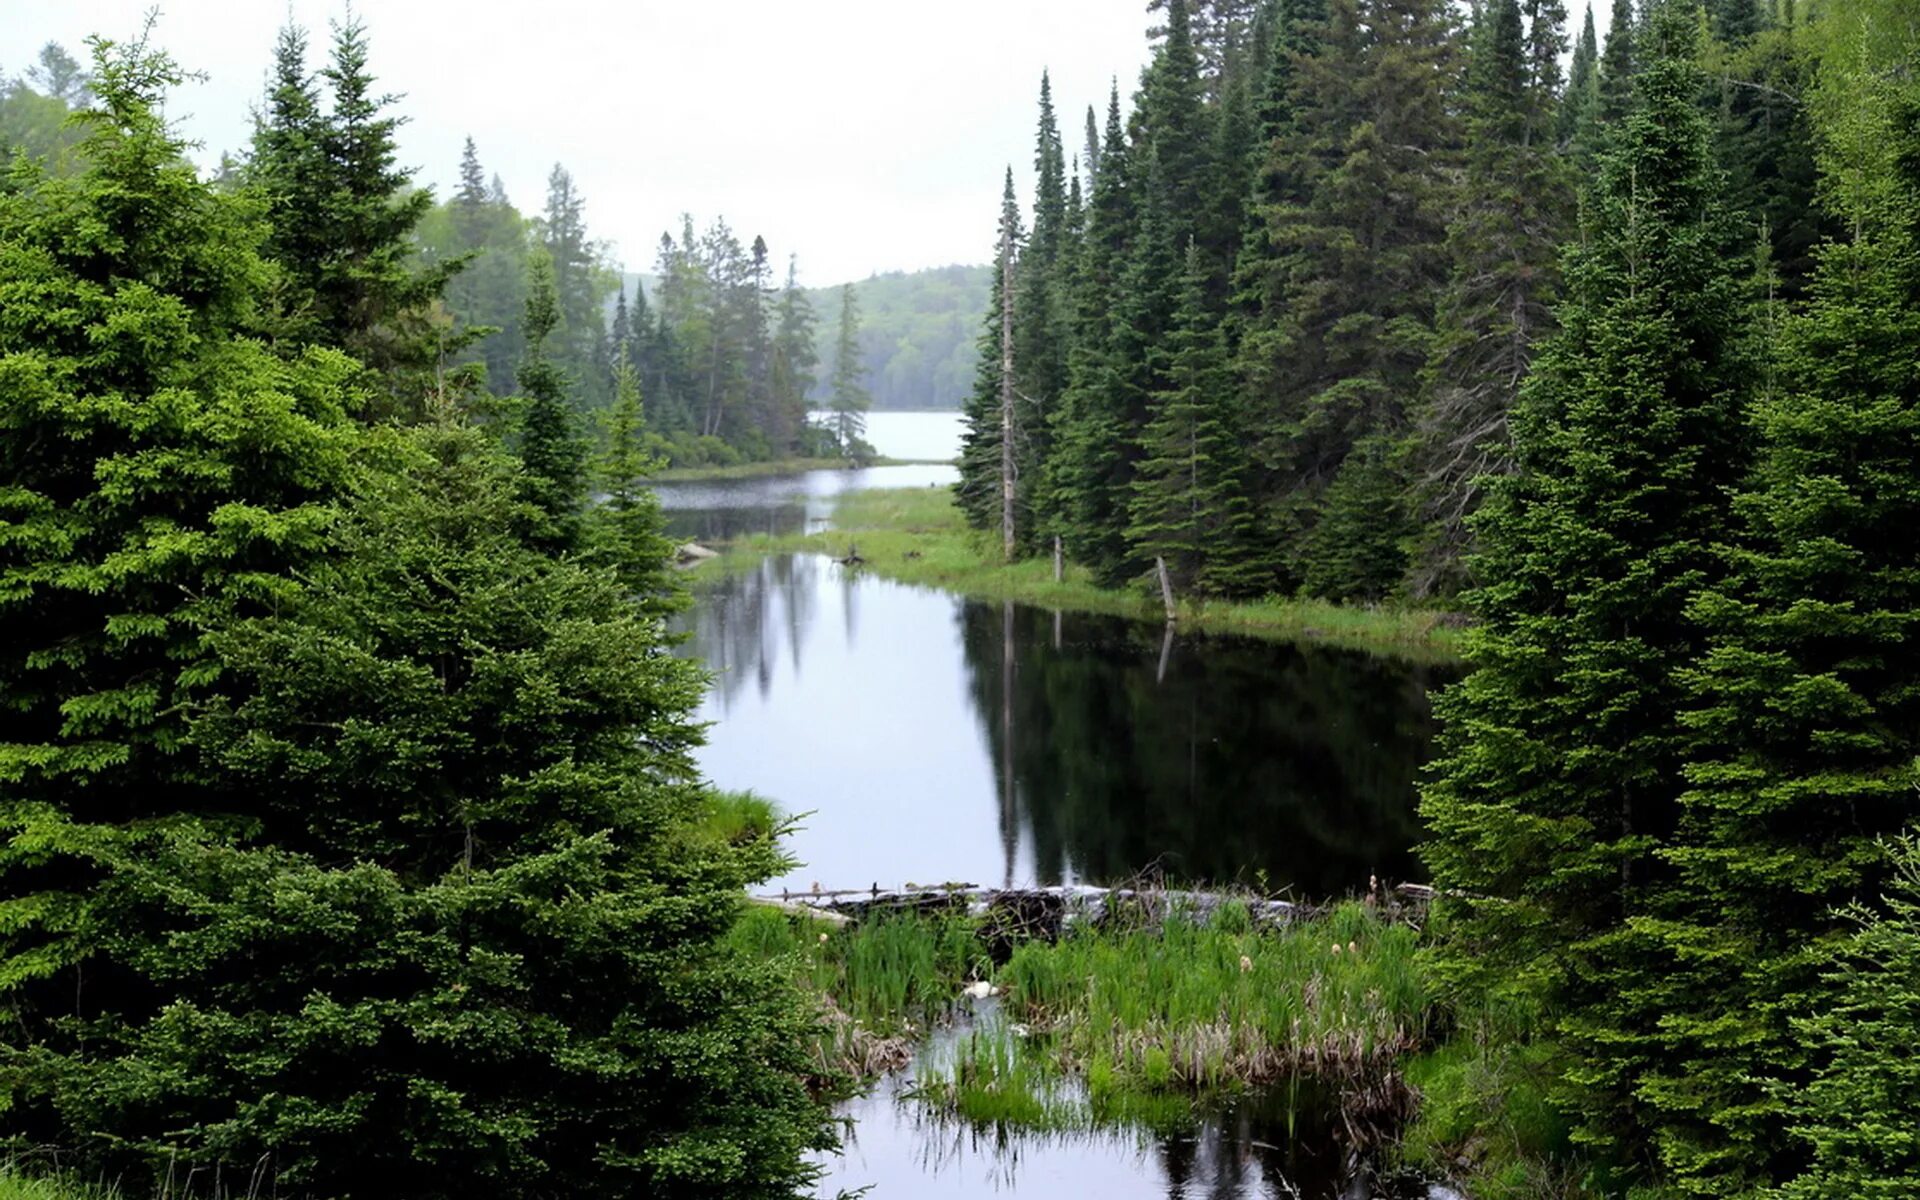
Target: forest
column 1360, row 301
column 352, row 839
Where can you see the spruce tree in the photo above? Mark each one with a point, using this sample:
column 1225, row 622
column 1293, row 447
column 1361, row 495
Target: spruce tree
column 1087, row 473
column 1559, row 772
column 550, row 446
column 1191, row 507
column 1807, row 704
column 343, row 214
column 628, row 532
column 796, row 358
column 1617, row 65
column 847, row 398
column 977, row 494
column 1516, row 203
column 1039, row 329
column 1580, row 105
column 1356, row 263
column 580, row 286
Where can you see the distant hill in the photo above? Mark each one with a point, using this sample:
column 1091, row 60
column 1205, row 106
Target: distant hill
column 918, row 332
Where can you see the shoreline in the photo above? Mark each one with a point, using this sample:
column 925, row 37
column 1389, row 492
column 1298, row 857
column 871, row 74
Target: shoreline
column 779, row 466
column 917, row 536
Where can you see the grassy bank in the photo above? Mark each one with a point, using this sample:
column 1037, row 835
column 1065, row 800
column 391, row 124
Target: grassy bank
column 916, row 535
column 778, row 466
column 16, row 1184
column 1128, row 1022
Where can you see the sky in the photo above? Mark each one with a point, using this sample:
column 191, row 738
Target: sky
column 862, row 135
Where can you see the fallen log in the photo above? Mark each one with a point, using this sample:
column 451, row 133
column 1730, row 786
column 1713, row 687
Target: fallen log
column 1046, row 911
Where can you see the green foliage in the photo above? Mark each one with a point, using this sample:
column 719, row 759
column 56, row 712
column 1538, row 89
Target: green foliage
column 848, row 400
column 626, row 528
column 1861, row 1114
column 552, row 451
column 917, row 334
column 1560, row 762
column 342, row 213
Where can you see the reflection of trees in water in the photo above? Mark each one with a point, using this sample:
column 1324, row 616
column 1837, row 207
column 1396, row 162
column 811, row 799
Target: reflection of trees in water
column 709, row 525
column 741, row 621
column 1288, row 1142
column 1224, row 757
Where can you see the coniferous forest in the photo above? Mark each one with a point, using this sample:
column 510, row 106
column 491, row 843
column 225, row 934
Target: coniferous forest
column 352, row 841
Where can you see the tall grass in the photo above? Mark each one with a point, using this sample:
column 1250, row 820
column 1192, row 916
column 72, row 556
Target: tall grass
column 16, row 1184
column 916, row 535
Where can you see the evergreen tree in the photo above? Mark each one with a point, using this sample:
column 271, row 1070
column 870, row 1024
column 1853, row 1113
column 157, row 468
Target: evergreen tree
column 849, row 401
column 343, row 214
column 1861, row 1115
column 1807, row 704
column 580, row 286
column 474, row 946
column 628, row 530
column 795, row 358
column 1358, row 261
column 550, row 446
column 1559, row 772
column 1617, row 65
column 1516, row 204
column 1580, row 106
column 1087, row 479
column 160, row 468
column 1191, row 507
column 1039, row 329
column 978, row 493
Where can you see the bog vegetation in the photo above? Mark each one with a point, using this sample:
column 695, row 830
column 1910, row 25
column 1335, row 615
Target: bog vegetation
column 350, row 839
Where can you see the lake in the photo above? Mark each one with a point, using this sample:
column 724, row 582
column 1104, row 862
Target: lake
column 927, row 738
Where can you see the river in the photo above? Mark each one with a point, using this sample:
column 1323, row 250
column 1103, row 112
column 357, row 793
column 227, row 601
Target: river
column 926, row 738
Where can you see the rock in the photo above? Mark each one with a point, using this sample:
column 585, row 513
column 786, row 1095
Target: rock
column 695, row 552
column 980, row 989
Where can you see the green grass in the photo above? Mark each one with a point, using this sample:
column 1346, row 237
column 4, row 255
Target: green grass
column 1127, row 1025
column 16, row 1184
column 917, row 535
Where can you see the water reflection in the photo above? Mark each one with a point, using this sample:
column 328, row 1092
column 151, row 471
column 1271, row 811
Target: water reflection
column 713, row 510
column 1289, row 1143
column 935, row 739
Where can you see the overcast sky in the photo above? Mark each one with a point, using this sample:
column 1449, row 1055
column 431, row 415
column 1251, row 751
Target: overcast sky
column 863, row 135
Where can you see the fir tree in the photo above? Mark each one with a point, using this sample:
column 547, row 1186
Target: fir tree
column 1516, row 204
column 550, row 446
column 629, row 533
column 1039, row 329
column 579, row 287
column 1560, row 764
column 1808, row 702
column 978, row 493
column 1580, row 106
column 1191, row 507
column 848, row 399
column 796, row 358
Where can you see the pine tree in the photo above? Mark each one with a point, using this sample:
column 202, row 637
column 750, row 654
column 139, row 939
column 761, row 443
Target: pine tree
column 551, row 449
column 343, row 219
column 978, row 493
column 1039, row 330
column 1808, row 702
column 1559, row 770
column 628, row 532
column 1191, row 507
column 1580, row 106
column 1087, row 473
column 1618, row 61
column 1357, row 261
column 1516, row 205
column 579, row 286
column 848, row 399
column 796, row 358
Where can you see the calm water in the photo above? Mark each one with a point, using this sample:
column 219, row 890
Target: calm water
column 933, row 739
column 928, row 738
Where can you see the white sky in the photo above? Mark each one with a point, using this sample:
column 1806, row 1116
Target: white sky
column 865, row 135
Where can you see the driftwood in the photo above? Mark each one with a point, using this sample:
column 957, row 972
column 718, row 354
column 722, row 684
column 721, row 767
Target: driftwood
column 1019, row 913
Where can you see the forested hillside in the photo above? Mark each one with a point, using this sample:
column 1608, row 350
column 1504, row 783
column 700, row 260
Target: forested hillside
column 918, row 335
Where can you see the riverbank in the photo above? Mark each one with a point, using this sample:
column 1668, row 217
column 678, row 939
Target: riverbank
column 779, row 466
column 917, row 535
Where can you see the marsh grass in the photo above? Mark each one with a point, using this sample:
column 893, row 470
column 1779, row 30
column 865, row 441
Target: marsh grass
column 916, row 535
column 19, row 1184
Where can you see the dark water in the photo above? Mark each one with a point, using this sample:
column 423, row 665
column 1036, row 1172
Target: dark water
column 935, row 739
column 929, row 738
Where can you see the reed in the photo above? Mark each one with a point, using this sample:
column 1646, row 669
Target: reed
column 19, row 1184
